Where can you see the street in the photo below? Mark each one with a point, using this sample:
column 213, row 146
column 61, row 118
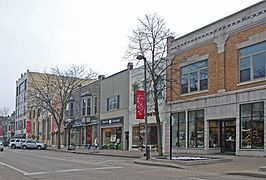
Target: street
column 44, row 164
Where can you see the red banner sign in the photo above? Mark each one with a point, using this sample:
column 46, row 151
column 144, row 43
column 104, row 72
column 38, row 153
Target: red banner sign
column 28, row 127
column 140, row 104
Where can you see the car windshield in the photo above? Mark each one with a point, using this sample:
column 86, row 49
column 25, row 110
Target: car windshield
column 37, row 141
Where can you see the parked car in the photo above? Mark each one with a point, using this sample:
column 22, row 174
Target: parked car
column 15, row 143
column 33, row 144
column 1, row 146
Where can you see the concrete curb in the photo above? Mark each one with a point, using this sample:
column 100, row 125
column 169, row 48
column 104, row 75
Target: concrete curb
column 249, row 174
column 98, row 153
column 157, row 163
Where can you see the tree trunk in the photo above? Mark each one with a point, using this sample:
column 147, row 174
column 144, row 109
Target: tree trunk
column 159, row 138
column 58, row 137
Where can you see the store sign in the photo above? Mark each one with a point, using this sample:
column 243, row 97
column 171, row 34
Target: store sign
column 108, row 122
column 28, row 127
column 140, row 104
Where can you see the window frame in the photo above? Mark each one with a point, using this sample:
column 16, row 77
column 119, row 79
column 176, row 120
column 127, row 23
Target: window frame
column 251, row 121
column 113, row 103
column 188, row 76
column 86, row 108
column 251, row 56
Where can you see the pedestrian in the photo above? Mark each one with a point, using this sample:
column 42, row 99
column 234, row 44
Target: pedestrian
column 96, row 143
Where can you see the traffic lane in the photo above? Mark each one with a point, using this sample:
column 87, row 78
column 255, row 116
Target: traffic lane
column 31, row 161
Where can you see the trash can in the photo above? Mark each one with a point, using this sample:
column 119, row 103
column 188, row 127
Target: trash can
column 148, row 152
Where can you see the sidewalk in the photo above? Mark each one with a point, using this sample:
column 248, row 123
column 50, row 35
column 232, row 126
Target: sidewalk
column 224, row 164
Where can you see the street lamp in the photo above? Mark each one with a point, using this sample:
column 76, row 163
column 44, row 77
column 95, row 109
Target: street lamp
column 147, row 152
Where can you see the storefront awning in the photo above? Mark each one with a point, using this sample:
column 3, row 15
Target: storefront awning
column 20, row 136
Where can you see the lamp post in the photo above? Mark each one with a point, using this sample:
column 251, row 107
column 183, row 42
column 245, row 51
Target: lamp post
column 147, row 152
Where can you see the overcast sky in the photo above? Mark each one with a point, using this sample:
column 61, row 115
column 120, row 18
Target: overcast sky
column 38, row 34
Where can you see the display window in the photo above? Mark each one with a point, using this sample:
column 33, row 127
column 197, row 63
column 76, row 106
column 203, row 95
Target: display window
column 252, row 126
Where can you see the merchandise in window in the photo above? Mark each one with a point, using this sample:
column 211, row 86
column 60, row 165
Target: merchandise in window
column 252, row 62
column 179, row 130
column 196, row 128
column 194, row 77
column 252, row 125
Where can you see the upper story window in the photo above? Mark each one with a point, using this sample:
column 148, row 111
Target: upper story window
column 252, row 62
column 113, row 103
column 95, row 102
column 194, row 77
column 135, row 88
column 86, row 106
column 70, row 109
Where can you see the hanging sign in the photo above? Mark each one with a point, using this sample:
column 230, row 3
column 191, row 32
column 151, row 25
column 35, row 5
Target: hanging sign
column 140, row 104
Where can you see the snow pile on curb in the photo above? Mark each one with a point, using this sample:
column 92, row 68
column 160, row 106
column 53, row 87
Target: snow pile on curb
column 187, row 158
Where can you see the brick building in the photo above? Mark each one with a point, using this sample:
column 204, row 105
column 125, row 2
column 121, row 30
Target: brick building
column 218, row 93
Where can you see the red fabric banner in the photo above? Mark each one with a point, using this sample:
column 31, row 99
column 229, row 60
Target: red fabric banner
column 28, row 127
column 140, row 104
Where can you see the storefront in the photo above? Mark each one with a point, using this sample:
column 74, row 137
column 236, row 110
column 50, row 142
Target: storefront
column 244, row 134
column 81, row 133
column 112, row 133
column 138, row 136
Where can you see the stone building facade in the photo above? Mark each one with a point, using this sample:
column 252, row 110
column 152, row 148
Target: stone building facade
column 217, row 99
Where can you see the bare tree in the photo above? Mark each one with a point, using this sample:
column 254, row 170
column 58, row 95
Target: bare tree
column 51, row 91
column 149, row 40
column 4, row 111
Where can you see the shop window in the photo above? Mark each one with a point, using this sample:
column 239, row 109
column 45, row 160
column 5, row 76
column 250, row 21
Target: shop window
column 179, row 130
column 252, row 126
column 136, row 137
column 252, row 62
column 194, row 77
column 214, row 134
column 196, row 129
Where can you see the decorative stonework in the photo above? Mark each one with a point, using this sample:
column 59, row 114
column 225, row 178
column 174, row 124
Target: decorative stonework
column 219, row 29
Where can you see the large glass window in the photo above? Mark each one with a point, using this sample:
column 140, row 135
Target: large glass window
column 194, row 77
column 196, row 128
column 214, row 134
column 179, row 130
column 252, row 62
column 252, row 127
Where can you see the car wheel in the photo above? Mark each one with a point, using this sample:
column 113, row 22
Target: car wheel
column 2, row 149
column 39, row 147
column 13, row 146
column 24, row 147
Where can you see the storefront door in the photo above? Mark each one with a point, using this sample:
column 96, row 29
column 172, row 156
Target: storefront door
column 222, row 135
column 228, row 136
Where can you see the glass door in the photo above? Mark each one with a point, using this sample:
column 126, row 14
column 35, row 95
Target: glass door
column 228, row 136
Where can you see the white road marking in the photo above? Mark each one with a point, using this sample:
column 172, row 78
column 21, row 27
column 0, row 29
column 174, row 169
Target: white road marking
column 12, row 167
column 194, row 178
column 110, row 167
column 50, row 172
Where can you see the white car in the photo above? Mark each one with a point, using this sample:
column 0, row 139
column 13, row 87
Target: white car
column 15, row 143
column 33, row 144
column 1, row 146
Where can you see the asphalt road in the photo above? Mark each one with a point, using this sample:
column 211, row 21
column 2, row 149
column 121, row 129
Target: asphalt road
column 35, row 164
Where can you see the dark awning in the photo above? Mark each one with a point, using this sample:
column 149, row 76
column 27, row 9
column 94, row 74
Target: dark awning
column 20, row 136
